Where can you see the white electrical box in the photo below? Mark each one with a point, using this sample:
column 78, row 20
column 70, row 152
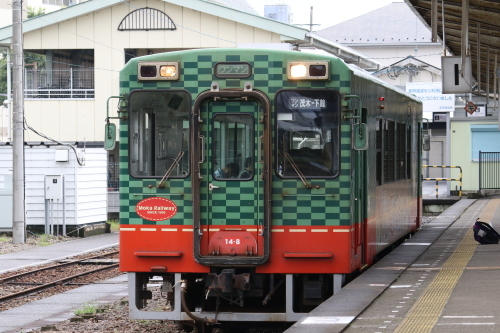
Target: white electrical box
column 62, row 155
column 54, row 187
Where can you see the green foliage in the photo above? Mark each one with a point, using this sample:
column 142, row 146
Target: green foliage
column 3, row 75
column 34, row 12
column 86, row 309
column 44, row 240
column 29, row 58
column 115, row 225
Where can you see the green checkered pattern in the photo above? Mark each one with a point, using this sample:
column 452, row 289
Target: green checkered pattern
column 292, row 203
column 235, row 202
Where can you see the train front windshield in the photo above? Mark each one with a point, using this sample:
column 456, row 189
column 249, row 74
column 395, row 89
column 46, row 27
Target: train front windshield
column 159, row 133
column 307, row 133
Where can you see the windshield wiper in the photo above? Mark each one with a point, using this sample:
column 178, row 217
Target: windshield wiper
column 297, row 170
column 169, row 171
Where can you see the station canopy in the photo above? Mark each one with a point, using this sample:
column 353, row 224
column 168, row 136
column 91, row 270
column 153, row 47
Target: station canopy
column 480, row 23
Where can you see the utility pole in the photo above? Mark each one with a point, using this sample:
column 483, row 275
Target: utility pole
column 19, row 215
column 310, row 24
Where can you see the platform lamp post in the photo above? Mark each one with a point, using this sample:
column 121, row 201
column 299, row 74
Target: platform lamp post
column 19, row 215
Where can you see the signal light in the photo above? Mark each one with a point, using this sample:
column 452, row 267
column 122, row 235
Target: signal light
column 317, row 70
column 308, row 70
column 148, row 71
column 160, row 71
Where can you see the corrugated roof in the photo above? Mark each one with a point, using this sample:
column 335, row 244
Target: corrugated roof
column 483, row 21
column 394, row 23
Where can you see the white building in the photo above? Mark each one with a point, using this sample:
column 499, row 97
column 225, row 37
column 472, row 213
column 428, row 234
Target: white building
column 394, row 36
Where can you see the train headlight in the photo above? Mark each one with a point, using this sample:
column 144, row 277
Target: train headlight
column 158, row 71
column 308, row 70
column 168, row 71
column 298, row 71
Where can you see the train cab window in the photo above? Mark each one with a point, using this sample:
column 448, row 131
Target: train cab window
column 307, row 142
column 159, row 133
column 233, row 138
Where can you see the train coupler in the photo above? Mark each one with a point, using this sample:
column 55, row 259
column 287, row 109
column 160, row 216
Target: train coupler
column 227, row 281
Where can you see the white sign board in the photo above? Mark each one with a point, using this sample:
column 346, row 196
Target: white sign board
column 431, row 95
column 480, row 112
column 440, row 117
column 455, row 79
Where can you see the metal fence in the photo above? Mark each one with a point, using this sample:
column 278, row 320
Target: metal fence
column 489, row 170
column 63, row 83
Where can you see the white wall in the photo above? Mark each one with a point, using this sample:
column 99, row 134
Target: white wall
column 85, row 187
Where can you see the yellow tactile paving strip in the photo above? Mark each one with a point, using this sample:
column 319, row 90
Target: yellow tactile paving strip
column 428, row 308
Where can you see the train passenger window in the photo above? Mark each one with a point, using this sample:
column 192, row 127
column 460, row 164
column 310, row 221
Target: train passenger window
column 159, row 133
column 307, row 133
column 233, row 138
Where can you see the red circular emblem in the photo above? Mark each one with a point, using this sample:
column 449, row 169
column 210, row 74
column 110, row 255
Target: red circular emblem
column 156, row 209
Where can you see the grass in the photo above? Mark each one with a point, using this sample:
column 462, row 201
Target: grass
column 115, row 225
column 44, row 240
column 4, row 238
column 86, row 309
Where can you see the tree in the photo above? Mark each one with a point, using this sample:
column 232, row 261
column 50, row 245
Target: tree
column 34, row 12
column 3, row 75
column 29, row 57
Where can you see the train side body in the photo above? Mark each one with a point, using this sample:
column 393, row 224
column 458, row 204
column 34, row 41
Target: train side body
column 295, row 215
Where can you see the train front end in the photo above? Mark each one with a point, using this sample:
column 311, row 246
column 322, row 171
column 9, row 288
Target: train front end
column 238, row 189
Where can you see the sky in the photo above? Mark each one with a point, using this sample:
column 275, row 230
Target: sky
column 325, row 12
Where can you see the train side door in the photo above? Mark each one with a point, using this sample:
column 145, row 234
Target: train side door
column 232, row 211
column 361, row 186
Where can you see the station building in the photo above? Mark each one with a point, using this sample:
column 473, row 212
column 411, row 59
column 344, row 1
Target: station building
column 83, row 47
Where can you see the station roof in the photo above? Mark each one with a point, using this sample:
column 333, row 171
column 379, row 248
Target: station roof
column 393, row 24
column 483, row 21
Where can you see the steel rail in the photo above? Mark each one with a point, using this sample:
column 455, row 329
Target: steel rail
column 43, row 286
column 74, row 262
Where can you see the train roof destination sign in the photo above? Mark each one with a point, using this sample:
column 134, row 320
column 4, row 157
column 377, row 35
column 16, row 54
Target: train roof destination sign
column 156, row 209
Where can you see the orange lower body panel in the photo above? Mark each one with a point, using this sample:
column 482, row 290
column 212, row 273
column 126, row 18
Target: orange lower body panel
column 297, row 249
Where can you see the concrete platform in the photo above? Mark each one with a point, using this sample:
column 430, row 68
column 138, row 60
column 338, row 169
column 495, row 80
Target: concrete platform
column 45, row 254
column 440, row 280
column 60, row 307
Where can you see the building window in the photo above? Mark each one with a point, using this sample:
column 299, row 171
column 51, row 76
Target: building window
column 59, row 2
column 59, row 74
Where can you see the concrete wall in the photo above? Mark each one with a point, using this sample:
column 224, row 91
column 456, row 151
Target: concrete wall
column 461, row 141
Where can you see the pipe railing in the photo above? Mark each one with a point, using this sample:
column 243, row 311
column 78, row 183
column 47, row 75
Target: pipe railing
column 445, row 179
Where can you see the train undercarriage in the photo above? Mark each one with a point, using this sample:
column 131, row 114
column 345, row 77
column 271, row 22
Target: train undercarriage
column 229, row 295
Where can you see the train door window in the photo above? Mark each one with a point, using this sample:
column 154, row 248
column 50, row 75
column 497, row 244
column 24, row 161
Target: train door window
column 401, row 151
column 408, row 151
column 378, row 148
column 307, row 142
column 233, row 146
column 389, row 151
column 159, row 133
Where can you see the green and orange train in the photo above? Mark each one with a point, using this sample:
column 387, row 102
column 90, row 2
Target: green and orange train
column 254, row 182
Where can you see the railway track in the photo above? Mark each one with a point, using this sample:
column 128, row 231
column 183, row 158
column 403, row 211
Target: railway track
column 29, row 284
